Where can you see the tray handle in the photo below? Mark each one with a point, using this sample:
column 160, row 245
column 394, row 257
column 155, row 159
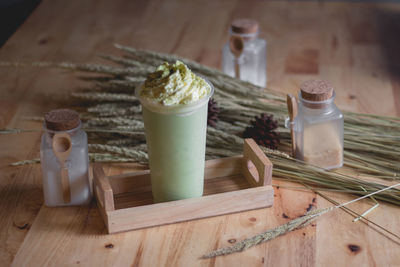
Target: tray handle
column 257, row 168
column 102, row 188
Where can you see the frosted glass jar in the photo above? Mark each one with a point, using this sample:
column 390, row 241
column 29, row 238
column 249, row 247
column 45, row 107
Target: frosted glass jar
column 318, row 127
column 252, row 62
column 77, row 164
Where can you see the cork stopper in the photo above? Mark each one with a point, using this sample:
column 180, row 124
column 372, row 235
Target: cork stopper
column 244, row 26
column 61, row 119
column 316, row 90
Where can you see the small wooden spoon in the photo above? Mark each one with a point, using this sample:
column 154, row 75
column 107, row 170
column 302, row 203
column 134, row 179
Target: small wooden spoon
column 236, row 45
column 62, row 148
column 292, row 108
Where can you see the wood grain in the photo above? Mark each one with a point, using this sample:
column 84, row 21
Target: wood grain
column 352, row 45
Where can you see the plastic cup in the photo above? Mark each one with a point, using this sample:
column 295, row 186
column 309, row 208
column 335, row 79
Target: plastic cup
column 176, row 142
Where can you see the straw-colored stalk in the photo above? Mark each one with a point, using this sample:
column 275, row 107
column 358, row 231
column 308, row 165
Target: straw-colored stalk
column 113, row 120
column 292, row 225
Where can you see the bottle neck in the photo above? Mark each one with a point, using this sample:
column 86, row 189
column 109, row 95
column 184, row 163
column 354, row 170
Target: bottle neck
column 51, row 133
column 245, row 36
column 323, row 106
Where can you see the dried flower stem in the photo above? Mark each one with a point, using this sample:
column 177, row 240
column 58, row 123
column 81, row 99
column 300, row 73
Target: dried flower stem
column 25, row 162
column 93, row 68
column 16, row 131
column 372, row 142
column 94, row 96
column 133, row 153
column 292, row 225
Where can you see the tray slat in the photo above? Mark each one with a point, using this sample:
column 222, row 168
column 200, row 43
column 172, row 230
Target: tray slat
column 190, row 209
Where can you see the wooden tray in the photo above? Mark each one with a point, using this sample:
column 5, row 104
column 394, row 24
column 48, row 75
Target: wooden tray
column 231, row 185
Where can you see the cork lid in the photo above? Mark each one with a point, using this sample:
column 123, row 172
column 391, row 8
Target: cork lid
column 245, row 26
column 316, row 90
column 61, row 119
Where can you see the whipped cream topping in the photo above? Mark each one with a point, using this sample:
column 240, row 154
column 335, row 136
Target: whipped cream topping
column 174, row 84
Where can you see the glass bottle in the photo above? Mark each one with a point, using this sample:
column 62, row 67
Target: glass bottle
column 249, row 63
column 318, row 127
column 65, row 125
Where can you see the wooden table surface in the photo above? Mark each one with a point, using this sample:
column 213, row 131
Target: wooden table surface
column 353, row 45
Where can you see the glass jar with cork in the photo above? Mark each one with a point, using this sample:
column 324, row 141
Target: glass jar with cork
column 64, row 159
column 316, row 125
column 244, row 56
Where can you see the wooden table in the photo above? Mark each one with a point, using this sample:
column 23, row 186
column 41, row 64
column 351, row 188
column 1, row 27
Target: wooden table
column 353, row 45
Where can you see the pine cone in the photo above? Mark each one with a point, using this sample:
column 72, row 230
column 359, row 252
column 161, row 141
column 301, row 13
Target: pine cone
column 213, row 111
column 262, row 131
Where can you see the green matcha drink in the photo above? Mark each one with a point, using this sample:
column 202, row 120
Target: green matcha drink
column 175, row 104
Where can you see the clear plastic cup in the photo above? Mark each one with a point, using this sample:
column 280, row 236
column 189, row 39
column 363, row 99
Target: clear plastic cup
column 176, row 142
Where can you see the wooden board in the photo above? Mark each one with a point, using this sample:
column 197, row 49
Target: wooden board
column 353, row 45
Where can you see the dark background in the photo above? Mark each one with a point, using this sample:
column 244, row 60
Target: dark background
column 12, row 15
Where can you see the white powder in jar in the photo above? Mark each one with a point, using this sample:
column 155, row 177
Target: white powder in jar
column 322, row 146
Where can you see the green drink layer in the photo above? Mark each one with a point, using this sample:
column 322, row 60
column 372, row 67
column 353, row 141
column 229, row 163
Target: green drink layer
column 176, row 146
column 175, row 104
